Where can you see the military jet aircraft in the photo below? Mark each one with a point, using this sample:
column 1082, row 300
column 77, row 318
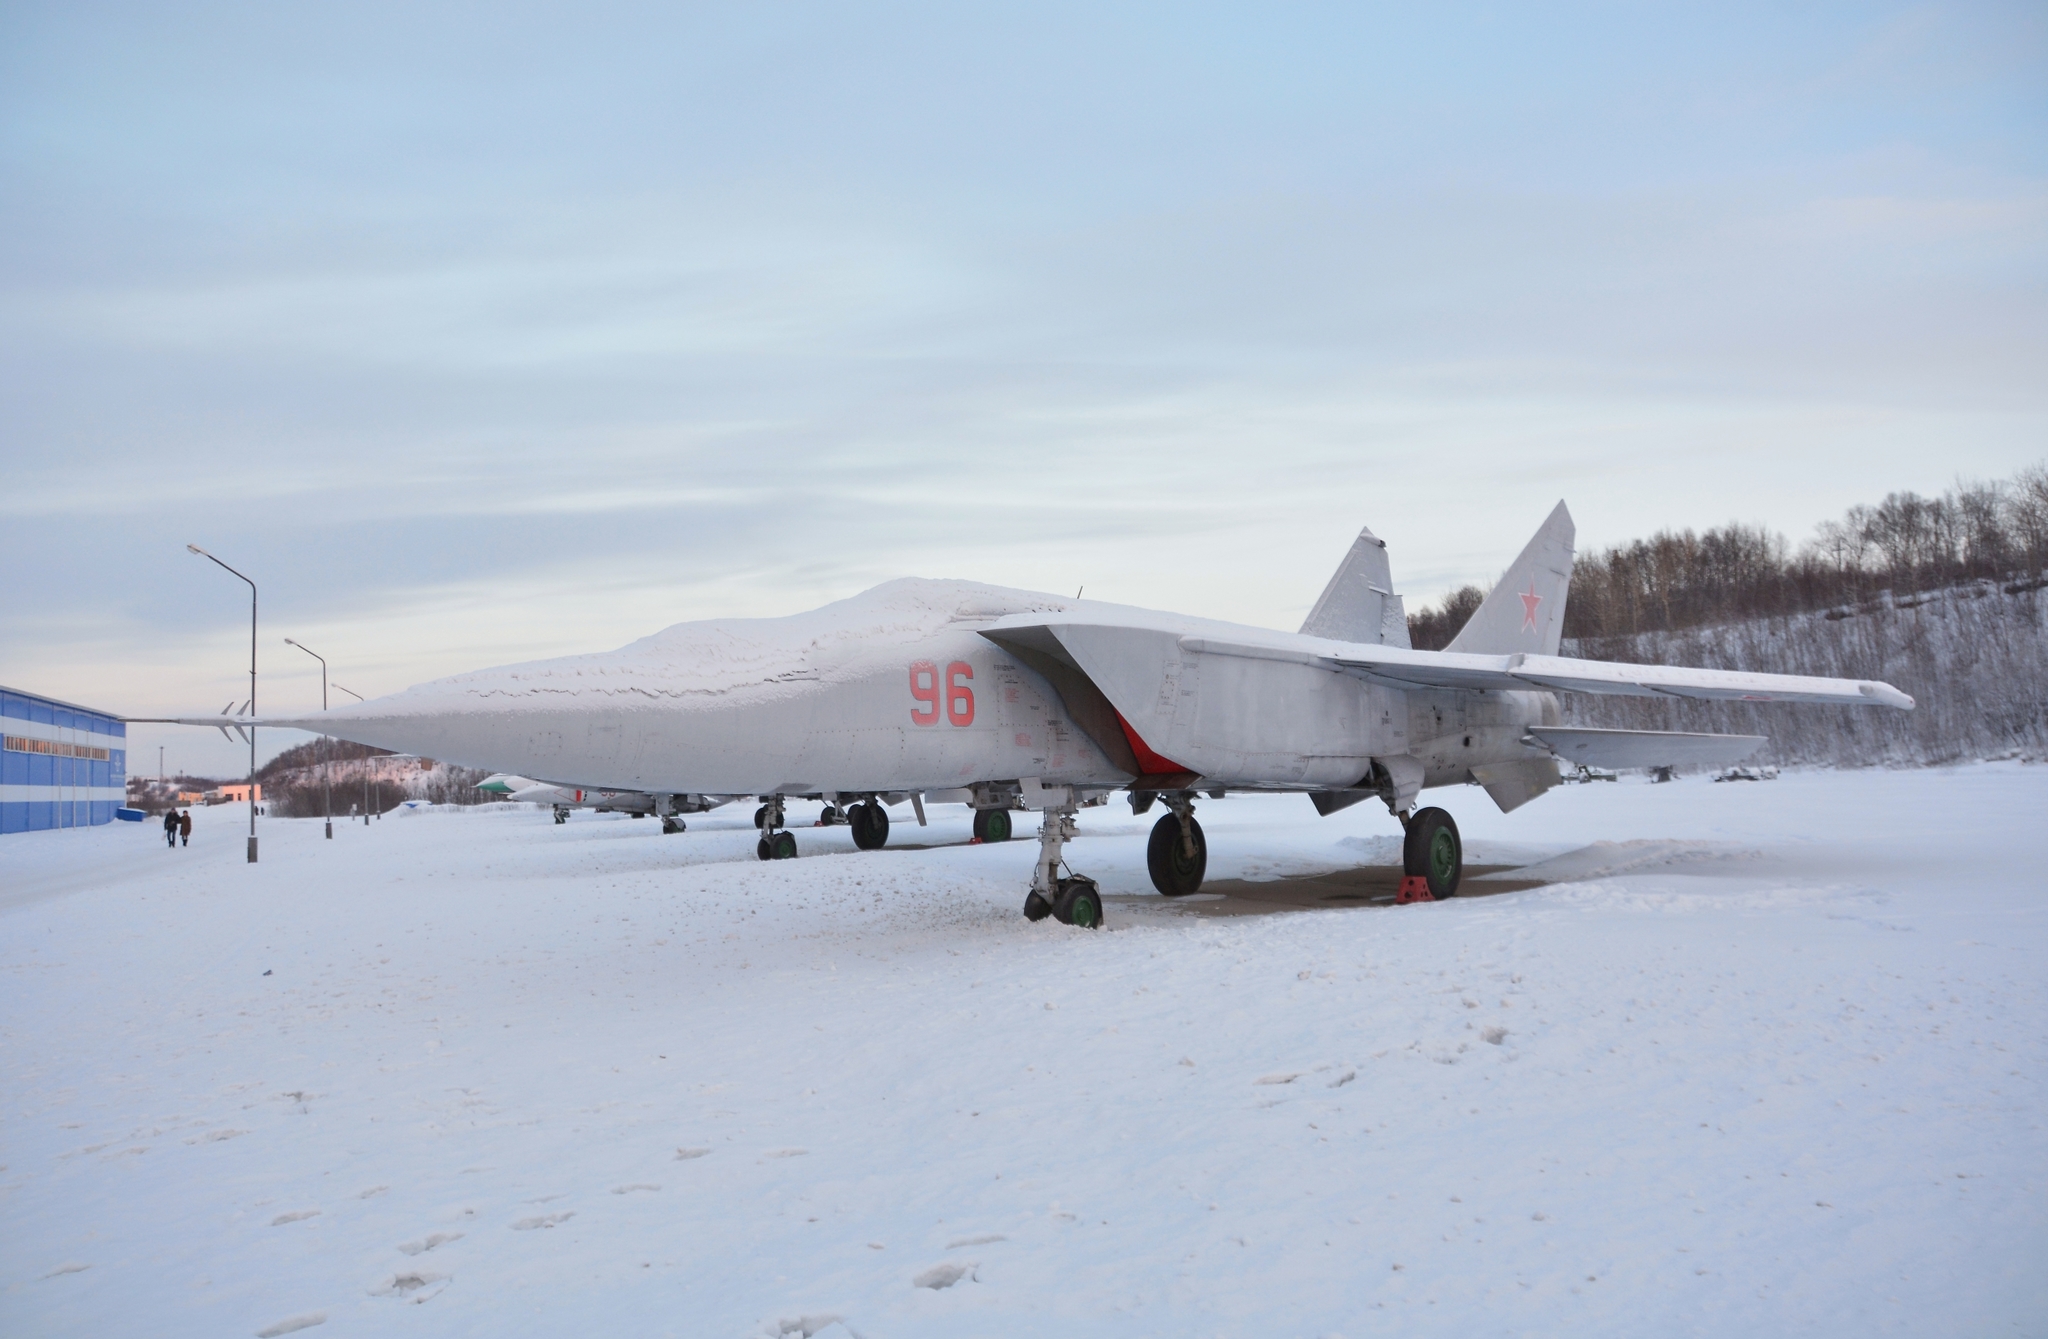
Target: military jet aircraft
column 563, row 799
column 1012, row 699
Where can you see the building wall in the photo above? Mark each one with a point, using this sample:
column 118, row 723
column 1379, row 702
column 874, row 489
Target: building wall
column 61, row 766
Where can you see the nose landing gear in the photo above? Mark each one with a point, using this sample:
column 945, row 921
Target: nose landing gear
column 776, row 843
column 1074, row 900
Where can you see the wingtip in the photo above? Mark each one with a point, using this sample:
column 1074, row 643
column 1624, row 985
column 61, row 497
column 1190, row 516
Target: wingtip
column 1887, row 695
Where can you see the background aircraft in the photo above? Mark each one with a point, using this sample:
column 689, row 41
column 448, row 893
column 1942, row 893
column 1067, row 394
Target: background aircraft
column 639, row 804
column 1017, row 699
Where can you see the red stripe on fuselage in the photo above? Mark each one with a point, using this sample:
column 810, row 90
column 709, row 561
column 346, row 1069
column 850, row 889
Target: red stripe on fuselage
column 1149, row 763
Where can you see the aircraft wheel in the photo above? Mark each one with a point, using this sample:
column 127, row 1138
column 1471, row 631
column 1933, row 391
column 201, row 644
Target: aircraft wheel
column 761, row 819
column 829, row 815
column 1434, row 850
column 1174, row 872
column 1079, row 903
column 761, row 849
column 992, row 825
column 672, row 826
column 782, row 846
column 1036, row 908
column 870, row 823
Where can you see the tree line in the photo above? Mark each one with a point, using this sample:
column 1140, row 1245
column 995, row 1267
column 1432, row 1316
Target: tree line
column 1900, row 549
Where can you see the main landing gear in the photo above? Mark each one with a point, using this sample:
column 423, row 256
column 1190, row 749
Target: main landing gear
column 777, row 843
column 991, row 825
column 671, row 825
column 1177, row 857
column 870, row 824
column 1433, row 852
column 561, row 814
column 1074, row 900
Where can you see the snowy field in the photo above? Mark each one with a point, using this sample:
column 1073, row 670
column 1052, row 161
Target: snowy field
column 1772, row 1066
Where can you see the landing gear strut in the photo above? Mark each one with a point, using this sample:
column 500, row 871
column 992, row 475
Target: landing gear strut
column 776, row 843
column 561, row 814
column 1074, row 900
column 1177, row 857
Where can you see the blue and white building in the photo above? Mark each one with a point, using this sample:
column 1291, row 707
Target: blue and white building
column 62, row 765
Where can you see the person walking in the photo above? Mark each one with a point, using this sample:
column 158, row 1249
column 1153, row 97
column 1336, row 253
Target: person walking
column 171, row 826
column 185, row 827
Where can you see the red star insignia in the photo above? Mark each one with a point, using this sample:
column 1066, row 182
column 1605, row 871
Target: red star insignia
column 1529, row 603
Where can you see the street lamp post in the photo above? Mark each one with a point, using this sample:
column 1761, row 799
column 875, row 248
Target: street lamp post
column 326, row 773
column 252, row 691
column 366, row 762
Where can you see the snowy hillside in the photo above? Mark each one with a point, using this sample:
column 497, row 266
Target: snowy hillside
column 1763, row 1059
column 1975, row 659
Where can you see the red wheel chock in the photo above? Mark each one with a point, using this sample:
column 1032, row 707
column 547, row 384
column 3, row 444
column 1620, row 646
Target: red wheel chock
column 1414, row 888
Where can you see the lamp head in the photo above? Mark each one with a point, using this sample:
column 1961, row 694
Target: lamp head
column 194, row 548
column 289, row 642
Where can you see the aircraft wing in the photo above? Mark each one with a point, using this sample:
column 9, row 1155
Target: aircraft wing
column 1644, row 748
column 1564, row 674
column 1448, row 669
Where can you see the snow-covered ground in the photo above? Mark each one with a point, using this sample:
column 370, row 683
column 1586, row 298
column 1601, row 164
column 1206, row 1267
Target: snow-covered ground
column 1774, row 1068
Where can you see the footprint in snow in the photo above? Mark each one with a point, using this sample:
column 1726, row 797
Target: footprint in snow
column 1344, row 1078
column 215, row 1136
column 428, row 1242
column 785, row 1153
column 292, row 1324
column 413, row 1285
column 542, row 1220
column 806, row 1326
column 985, row 1239
column 295, row 1216
column 1285, row 1077
column 627, row 1190
column 685, row 1154
column 68, row 1267
column 940, row 1277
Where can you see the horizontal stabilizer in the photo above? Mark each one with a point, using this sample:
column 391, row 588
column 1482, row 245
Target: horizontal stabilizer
column 1645, row 748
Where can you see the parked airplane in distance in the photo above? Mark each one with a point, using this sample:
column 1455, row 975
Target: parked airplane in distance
column 1021, row 700
column 562, row 799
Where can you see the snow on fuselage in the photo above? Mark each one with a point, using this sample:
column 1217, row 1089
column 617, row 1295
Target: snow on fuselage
column 896, row 689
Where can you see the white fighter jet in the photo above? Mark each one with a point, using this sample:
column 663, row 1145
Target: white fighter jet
column 1015, row 700
column 563, row 799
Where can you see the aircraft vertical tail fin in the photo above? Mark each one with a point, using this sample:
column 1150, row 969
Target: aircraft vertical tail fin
column 1526, row 610
column 1359, row 604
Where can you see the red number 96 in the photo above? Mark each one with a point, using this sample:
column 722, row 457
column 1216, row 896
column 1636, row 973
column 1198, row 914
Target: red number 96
column 957, row 695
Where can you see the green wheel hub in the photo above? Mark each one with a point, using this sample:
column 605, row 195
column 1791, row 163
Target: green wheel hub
column 1443, row 854
column 998, row 825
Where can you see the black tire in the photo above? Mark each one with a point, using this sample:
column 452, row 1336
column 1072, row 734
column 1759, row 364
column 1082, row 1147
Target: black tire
column 1079, row 903
column 671, row 826
column 761, row 817
column 830, row 815
column 870, row 826
column 1434, row 850
column 1036, row 908
column 761, row 849
column 991, row 825
column 1173, row 873
column 782, row 845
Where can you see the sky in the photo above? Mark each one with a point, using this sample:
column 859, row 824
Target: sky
column 478, row 334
